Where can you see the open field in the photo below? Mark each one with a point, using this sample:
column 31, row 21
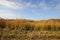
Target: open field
column 29, row 19
column 29, row 30
column 28, row 35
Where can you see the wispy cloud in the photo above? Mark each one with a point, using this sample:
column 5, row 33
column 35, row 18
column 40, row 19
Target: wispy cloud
column 4, row 13
column 36, row 13
column 57, row 6
column 44, row 6
column 39, row 15
column 11, row 4
column 21, row 5
column 16, row 5
column 31, row 5
column 7, row 15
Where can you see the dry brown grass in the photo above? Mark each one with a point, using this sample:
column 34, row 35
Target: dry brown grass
column 29, row 30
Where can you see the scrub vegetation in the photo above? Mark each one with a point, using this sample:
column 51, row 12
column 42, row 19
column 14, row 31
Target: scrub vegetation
column 22, row 29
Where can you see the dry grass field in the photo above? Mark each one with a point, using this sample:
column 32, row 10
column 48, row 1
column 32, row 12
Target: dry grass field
column 18, row 29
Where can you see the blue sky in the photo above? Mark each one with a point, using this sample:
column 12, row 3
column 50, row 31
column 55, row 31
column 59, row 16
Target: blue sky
column 30, row 9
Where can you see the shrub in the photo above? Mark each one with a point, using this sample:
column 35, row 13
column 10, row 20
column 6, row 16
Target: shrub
column 58, row 28
column 28, row 28
column 47, row 28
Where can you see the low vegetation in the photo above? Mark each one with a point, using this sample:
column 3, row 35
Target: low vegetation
column 22, row 29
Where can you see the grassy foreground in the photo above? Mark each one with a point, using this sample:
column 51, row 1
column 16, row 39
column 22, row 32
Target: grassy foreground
column 7, row 34
column 29, row 30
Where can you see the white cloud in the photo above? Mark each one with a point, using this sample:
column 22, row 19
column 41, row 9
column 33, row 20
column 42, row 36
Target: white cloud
column 33, row 11
column 7, row 15
column 11, row 4
column 57, row 6
column 31, row 5
column 15, row 5
column 44, row 6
